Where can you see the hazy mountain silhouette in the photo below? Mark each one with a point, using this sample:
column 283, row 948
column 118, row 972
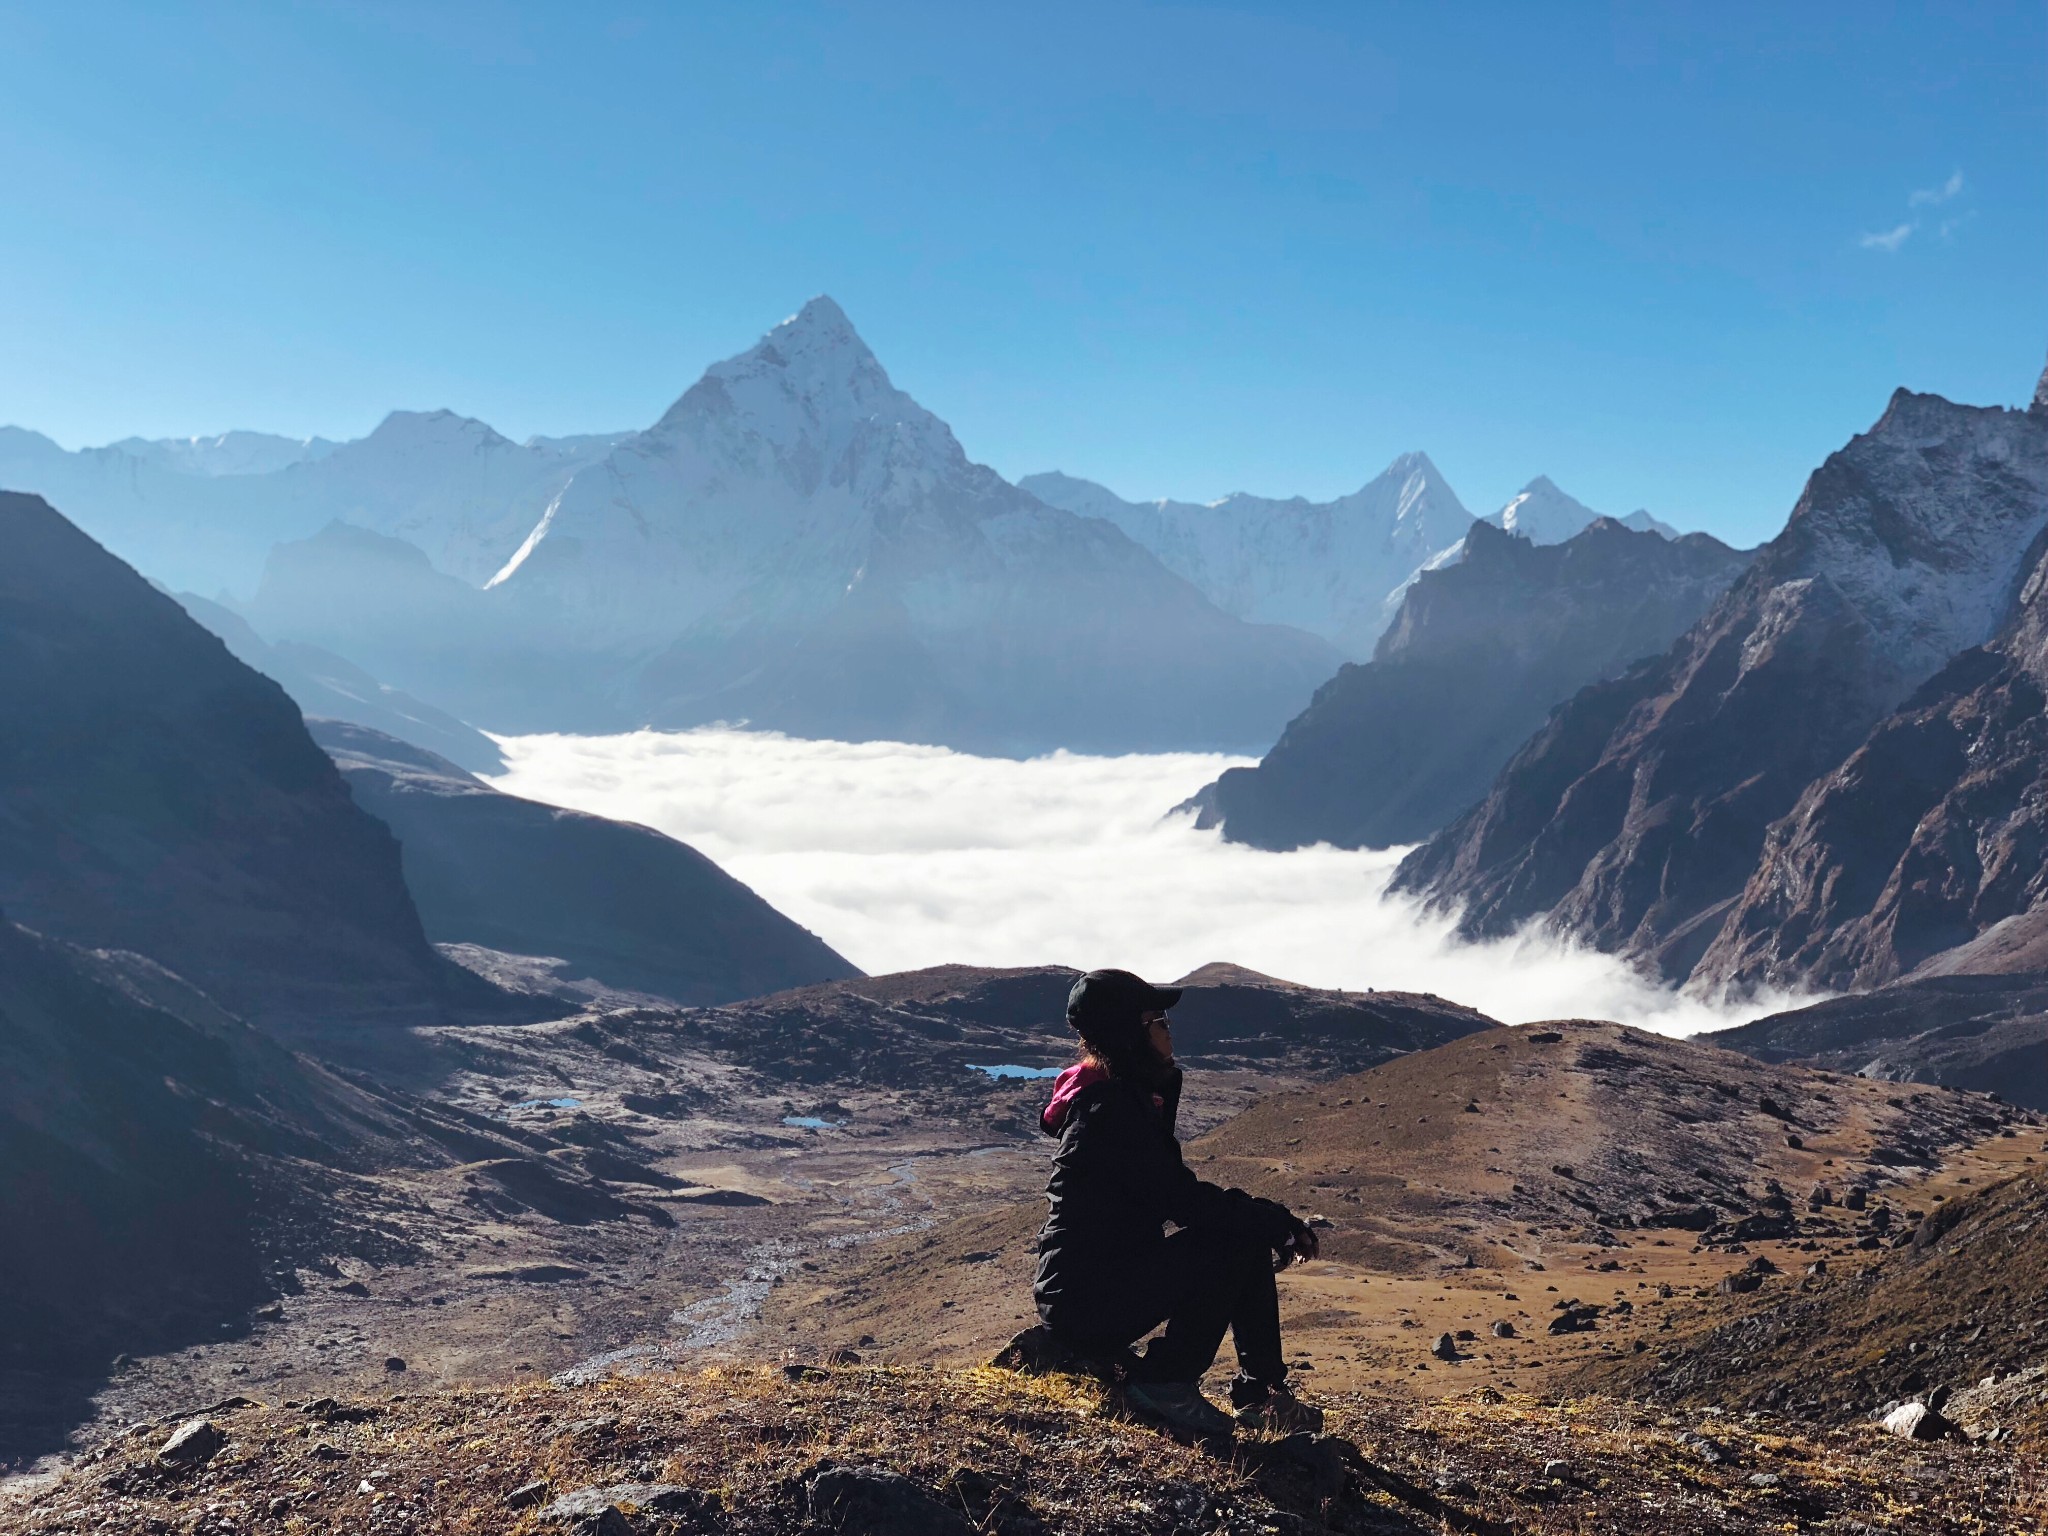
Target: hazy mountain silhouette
column 622, row 904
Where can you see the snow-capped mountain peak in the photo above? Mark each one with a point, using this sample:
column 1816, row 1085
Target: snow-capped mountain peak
column 1543, row 514
column 812, row 399
column 1423, row 499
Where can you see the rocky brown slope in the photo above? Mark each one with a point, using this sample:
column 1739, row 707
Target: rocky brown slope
column 161, row 1160
column 1962, row 1305
column 622, row 904
column 1635, row 818
column 158, row 796
column 1478, row 655
column 1455, row 1185
column 1574, row 1126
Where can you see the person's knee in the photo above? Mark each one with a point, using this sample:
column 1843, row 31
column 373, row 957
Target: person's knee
column 1234, row 1247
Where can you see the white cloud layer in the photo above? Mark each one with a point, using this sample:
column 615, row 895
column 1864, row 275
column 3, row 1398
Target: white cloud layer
column 904, row 856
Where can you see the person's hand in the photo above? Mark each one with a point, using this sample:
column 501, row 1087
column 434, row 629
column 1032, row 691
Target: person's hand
column 1306, row 1244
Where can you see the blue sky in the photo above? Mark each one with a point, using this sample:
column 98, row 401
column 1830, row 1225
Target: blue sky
column 1670, row 255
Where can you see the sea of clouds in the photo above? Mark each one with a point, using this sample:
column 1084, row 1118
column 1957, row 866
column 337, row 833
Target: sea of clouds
column 905, row 856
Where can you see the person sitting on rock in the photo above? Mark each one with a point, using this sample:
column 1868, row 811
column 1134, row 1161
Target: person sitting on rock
column 1108, row 1273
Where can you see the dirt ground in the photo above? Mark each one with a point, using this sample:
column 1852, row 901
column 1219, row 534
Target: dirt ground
column 694, row 1201
column 1448, row 1222
column 742, row 1221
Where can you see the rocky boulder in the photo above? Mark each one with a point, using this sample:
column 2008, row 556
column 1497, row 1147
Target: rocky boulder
column 873, row 1501
column 193, row 1443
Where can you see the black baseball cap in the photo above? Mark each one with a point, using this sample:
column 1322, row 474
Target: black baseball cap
column 1114, row 997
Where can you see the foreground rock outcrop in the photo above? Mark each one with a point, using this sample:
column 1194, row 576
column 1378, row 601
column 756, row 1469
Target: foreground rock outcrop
column 1480, row 652
column 866, row 1451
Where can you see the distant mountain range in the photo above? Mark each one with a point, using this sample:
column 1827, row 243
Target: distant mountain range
column 1338, row 568
column 1323, row 566
column 796, row 543
column 328, row 686
column 203, row 514
column 1480, row 652
column 1832, row 778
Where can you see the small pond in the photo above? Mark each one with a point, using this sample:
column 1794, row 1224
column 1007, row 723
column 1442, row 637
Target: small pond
column 811, row 1123
column 549, row 1104
column 1009, row 1071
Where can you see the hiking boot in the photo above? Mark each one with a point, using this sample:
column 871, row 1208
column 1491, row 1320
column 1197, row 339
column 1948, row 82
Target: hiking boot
column 1269, row 1408
column 1180, row 1405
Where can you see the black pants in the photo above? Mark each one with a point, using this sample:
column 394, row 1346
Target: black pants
column 1202, row 1282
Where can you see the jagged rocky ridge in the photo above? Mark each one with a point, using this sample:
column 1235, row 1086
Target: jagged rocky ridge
column 158, row 796
column 1481, row 650
column 1931, row 833
column 614, row 903
column 1635, row 818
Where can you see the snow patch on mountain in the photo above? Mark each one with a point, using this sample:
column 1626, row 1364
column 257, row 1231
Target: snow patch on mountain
column 1926, row 528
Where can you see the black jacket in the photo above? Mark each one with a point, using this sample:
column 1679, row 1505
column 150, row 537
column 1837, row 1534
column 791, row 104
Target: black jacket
column 1118, row 1178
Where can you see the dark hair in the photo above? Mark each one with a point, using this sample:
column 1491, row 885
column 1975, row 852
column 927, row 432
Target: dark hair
column 1122, row 1046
